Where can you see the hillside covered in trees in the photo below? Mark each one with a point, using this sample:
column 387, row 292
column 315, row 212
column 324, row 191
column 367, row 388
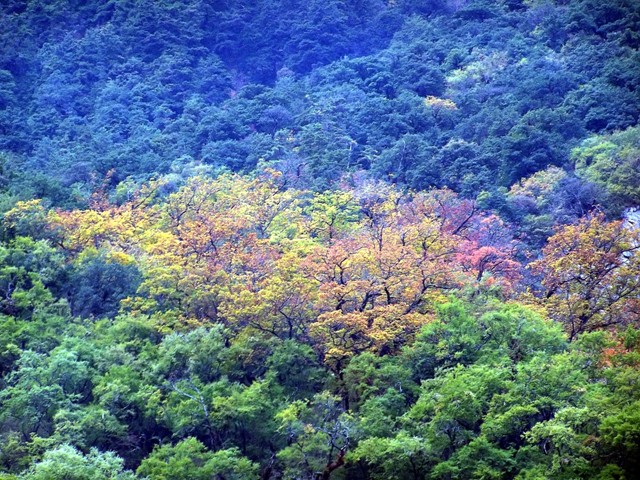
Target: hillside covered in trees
column 348, row 239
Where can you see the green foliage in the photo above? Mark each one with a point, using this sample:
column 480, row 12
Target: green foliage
column 84, row 427
column 368, row 378
column 451, row 407
column 479, row 459
column 621, row 435
column 512, row 333
column 612, row 162
column 96, row 285
column 189, row 459
column 295, row 367
column 67, row 463
column 27, row 268
column 319, row 433
column 394, row 458
column 468, row 95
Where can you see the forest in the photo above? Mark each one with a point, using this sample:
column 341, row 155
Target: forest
column 337, row 239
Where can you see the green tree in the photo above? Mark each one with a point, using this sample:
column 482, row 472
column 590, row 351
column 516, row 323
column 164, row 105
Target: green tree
column 612, row 162
column 67, row 463
column 190, row 460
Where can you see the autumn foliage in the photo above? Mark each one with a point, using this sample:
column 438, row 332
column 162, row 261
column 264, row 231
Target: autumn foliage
column 591, row 275
column 351, row 270
column 354, row 270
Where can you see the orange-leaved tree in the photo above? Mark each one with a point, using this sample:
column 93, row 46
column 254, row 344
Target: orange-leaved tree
column 591, row 275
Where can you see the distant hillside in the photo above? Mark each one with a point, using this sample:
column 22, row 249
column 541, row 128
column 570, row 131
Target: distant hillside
column 472, row 95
